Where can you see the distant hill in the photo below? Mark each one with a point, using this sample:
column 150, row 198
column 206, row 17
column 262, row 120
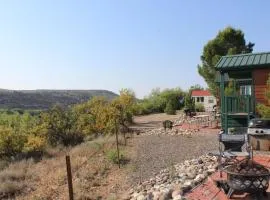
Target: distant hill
column 44, row 99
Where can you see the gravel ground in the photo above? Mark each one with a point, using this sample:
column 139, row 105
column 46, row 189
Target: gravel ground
column 154, row 153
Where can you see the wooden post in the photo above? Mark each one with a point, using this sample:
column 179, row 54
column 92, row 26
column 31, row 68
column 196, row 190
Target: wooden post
column 69, row 178
column 223, row 103
column 117, row 147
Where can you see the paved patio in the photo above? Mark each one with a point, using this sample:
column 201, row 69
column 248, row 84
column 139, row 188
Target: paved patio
column 209, row 191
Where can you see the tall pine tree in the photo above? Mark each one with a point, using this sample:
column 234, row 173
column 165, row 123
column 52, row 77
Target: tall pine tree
column 229, row 41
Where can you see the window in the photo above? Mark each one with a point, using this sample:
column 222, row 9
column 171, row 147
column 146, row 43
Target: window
column 210, row 100
column 245, row 90
column 199, row 99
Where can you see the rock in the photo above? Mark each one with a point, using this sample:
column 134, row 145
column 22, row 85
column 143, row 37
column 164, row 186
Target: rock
column 177, row 197
column 141, row 197
column 165, row 187
column 176, row 193
column 164, row 179
column 210, row 171
column 191, row 175
column 187, row 185
column 149, row 196
column 186, row 162
column 156, row 195
column 125, row 197
column 200, row 161
column 164, row 196
column 199, row 178
column 135, row 195
column 139, row 188
column 131, row 191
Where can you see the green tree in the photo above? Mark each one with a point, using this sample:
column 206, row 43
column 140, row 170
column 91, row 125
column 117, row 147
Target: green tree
column 229, row 41
column 124, row 107
column 196, row 87
column 158, row 100
column 60, row 125
column 11, row 142
column 189, row 102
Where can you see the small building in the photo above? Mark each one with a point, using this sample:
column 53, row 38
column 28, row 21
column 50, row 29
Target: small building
column 205, row 98
column 245, row 77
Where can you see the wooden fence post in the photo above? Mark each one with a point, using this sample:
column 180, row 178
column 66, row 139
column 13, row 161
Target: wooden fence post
column 69, row 178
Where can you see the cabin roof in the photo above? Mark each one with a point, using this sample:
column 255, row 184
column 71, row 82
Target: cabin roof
column 200, row 93
column 239, row 61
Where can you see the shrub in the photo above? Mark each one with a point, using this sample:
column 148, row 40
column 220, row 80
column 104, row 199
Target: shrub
column 157, row 101
column 189, row 102
column 10, row 188
column 60, row 127
column 34, row 143
column 170, row 108
column 199, row 107
column 13, row 177
column 112, row 156
column 3, row 164
column 263, row 110
column 11, row 142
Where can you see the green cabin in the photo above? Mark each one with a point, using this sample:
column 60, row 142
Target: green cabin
column 243, row 83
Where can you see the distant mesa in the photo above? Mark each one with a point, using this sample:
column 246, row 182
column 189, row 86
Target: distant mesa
column 44, row 99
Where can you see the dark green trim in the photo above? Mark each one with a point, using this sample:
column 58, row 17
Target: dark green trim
column 222, row 99
column 246, row 61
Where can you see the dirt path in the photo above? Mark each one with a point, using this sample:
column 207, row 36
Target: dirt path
column 153, row 120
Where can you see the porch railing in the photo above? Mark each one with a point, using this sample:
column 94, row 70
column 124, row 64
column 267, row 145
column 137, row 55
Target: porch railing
column 239, row 104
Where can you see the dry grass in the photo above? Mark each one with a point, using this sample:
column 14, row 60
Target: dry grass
column 94, row 175
column 3, row 164
column 14, row 178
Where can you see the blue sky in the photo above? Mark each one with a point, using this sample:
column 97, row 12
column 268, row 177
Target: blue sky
column 98, row 44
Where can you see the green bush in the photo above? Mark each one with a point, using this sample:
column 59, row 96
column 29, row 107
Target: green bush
column 112, row 156
column 158, row 100
column 11, row 143
column 199, row 107
column 60, row 126
column 170, row 109
column 263, row 110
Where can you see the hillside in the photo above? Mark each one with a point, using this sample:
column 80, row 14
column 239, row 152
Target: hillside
column 43, row 99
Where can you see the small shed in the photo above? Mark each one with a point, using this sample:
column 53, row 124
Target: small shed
column 205, row 98
column 243, row 84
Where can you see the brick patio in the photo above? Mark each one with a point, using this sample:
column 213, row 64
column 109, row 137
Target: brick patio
column 209, row 191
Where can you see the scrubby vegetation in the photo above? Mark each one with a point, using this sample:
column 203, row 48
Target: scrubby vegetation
column 168, row 100
column 26, row 138
column 199, row 107
column 92, row 166
column 23, row 133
